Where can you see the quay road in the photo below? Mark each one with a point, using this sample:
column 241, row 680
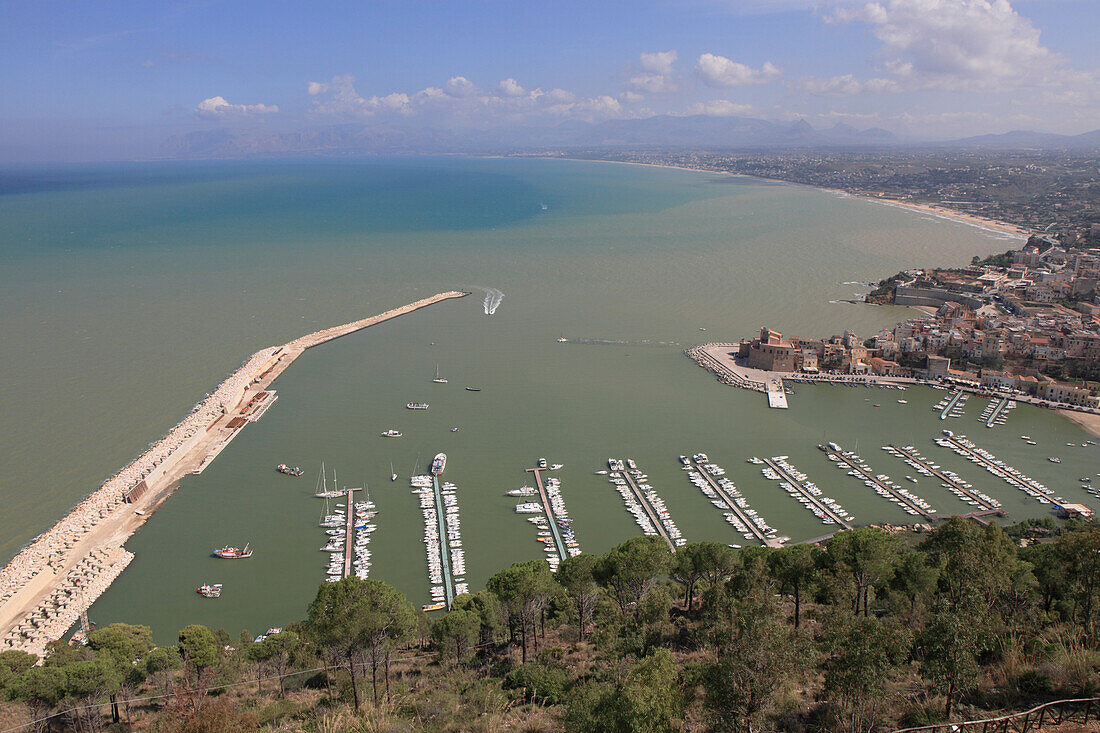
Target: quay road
column 802, row 490
column 868, row 476
column 549, row 512
column 920, row 461
column 649, row 510
column 745, row 519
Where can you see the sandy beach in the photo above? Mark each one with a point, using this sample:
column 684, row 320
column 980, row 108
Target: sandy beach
column 59, row 574
column 1087, row 420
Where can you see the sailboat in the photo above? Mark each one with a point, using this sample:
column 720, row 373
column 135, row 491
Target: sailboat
column 438, row 379
column 322, row 490
column 393, row 474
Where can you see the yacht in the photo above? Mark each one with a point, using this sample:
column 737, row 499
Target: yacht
column 439, row 464
column 416, row 405
column 391, row 433
column 438, row 379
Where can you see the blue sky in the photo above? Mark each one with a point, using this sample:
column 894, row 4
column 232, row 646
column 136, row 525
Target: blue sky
column 111, row 79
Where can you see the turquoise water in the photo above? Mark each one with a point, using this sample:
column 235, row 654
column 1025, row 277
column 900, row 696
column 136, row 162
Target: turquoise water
column 129, row 291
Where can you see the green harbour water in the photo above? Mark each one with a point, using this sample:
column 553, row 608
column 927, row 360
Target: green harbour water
column 128, row 291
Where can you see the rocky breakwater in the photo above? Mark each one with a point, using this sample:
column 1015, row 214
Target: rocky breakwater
column 57, row 576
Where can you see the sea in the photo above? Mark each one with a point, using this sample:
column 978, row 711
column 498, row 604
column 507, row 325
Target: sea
column 128, row 291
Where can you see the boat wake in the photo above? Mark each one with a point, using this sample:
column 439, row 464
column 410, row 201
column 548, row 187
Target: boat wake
column 615, row 342
column 492, row 300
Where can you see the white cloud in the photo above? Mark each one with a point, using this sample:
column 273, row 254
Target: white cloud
column 657, row 73
column 219, row 107
column 459, row 101
column 844, row 86
column 511, row 88
column 659, row 62
column 720, row 108
column 460, row 86
column 957, row 44
column 719, row 71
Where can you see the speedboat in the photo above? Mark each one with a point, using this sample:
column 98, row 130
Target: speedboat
column 391, row 433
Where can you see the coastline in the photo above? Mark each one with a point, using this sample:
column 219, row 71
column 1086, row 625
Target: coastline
column 54, row 579
column 936, row 210
column 1088, row 421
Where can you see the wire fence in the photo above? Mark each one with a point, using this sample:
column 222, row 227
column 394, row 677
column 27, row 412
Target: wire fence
column 1079, row 710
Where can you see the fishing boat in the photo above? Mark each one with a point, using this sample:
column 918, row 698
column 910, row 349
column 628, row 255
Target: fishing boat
column 391, row 433
column 285, row 469
column 438, row 379
column 439, row 463
column 233, row 553
column 209, row 591
column 416, row 405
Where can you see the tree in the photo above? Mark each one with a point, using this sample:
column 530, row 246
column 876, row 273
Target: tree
column 630, row 570
column 576, row 575
column 865, row 556
column 90, row 683
column 14, row 663
column 487, row 607
column 284, row 645
column 124, row 646
column 697, row 561
column 649, row 701
column 160, row 662
column 914, row 579
column 754, row 662
column 456, row 632
column 1080, row 556
column 199, row 651
column 949, row 648
column 259, row 654
column 40, row 688
column 861, row 656
column 977, row 564
column 356, row 616
column 793, row 566
column 524, row 590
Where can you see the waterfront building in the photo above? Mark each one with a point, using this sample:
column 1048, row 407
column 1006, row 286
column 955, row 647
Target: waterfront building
column 769, row 351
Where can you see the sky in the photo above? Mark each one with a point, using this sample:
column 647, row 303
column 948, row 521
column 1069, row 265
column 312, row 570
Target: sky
column 106, row 80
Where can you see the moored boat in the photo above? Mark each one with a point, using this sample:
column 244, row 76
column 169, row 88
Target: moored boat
column 209, row 591
column 285, row 469
column 233, row 553
column 439, row 464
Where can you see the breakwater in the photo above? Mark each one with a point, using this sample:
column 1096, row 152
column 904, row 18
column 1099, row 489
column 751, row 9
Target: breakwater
column 58, row 575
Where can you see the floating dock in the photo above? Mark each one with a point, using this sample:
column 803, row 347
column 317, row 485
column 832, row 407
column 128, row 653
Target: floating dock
column 349, row 534
column 996, row 411
column 954, row 400
column 903, row 500
column 444, row 544
column 821, row 506
column 906, row 452
column 658, row 525
column 737, row 511
column 1008, row 474
column 548, row 510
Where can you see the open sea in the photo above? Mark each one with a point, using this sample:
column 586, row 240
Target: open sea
column 128, row 291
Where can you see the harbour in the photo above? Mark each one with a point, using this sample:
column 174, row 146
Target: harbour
column 730, row 501
column 949, row 479
column 658, row 522
column 880, row 483
column 807, row 492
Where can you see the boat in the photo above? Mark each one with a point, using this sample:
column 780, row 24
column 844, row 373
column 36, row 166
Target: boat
column 454, row 429
column 562, row 339
column 438, row 379
column 473, row 389
column 542, row 463
column 391, row 433
column 321, row 491
column 210, row 591
column 233, row 553
column 1052, row 459
column 285, row 469
column 416, row 405
column 393, row 474
column 439, row 464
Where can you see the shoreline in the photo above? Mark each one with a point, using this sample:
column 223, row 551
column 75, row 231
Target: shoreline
column 54, row 579
column 937, row 210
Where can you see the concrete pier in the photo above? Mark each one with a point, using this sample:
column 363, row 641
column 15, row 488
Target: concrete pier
column 548, row 510
column 868, row 476
column 954, row 400
column 729, row 501
column 444, row 545
column 648, row 508
column 349, row 533
column 823, row 507
column 920, row 460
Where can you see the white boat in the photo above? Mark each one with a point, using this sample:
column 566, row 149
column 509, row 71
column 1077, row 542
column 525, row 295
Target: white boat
column 439, row 464
column 391, row 433
column 438, row 379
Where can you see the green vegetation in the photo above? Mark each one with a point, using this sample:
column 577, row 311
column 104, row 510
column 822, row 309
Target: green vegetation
column 869, row 631
column 1001, row 260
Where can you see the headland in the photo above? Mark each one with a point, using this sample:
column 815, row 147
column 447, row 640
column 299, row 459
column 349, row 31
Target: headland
column 46, row 588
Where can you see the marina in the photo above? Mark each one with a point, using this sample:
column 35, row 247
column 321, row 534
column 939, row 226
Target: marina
column 710, row 478
column 804, row 491
column 1011, row 476
column 882, row 484
column 949, row 480
column 446, row 558
column 563, row 541
column 643, row 503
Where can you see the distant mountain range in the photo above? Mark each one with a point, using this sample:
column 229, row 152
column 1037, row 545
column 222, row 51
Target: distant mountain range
column 661, row 131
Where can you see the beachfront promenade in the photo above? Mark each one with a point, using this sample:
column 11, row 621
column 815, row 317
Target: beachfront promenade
column 59, row 574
